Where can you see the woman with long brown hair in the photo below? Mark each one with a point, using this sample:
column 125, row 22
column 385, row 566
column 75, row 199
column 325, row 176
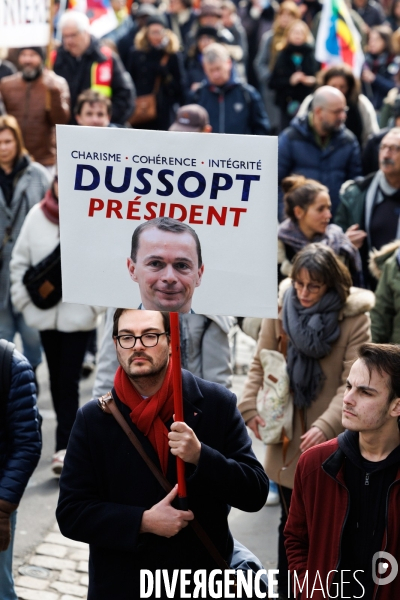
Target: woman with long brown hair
column 271, row 44
column 293, row 76
column 23, row 183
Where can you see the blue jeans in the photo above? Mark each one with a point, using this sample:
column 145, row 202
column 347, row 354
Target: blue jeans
column 7, row 591
column 11, row 323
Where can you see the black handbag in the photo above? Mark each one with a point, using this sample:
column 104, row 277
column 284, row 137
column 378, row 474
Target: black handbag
column 43, row 281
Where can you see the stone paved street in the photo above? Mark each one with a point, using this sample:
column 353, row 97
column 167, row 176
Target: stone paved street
column 56, row 567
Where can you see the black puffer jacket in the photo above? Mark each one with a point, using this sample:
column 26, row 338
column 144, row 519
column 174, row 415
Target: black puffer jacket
column 20, row 438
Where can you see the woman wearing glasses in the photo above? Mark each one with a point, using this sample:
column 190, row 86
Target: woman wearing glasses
column 325, row 321
column 64, row 328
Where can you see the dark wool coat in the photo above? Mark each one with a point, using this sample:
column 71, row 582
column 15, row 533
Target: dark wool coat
column 285, row 68
column 106, row 486
column 144, row 68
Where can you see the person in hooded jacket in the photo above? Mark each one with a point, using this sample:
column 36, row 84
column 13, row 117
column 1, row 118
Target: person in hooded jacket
column 156, row 62
column 233, row 107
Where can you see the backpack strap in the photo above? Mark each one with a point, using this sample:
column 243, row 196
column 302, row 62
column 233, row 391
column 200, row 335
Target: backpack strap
column 6, row 354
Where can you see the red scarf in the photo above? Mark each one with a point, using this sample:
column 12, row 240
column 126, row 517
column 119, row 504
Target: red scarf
column 149, row 414
column 49, row 206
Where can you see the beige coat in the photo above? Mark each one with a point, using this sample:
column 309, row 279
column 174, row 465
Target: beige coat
column 325, row 411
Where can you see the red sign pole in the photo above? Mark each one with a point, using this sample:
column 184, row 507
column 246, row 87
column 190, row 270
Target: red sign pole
column 178, row 403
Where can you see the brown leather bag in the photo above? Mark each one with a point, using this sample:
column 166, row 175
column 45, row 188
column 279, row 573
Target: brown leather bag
column 146, row 106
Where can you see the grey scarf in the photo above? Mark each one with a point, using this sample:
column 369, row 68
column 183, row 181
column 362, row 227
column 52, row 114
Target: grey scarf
column 311, row 332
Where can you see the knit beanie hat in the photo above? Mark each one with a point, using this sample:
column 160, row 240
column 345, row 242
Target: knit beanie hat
column 36, row 49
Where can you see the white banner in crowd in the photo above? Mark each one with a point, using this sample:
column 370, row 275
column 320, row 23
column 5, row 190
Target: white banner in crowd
column 221, row 188
column 24, row 23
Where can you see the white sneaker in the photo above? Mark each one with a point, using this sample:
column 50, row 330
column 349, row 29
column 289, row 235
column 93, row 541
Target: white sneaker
column 58, row 462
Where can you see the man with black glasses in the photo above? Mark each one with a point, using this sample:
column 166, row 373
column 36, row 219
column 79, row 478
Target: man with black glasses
column 110, row 499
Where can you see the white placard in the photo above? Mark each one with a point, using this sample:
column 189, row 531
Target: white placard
column 223, row 186
column 24, row 23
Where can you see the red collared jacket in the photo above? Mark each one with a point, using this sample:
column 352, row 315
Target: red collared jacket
column 318, row 512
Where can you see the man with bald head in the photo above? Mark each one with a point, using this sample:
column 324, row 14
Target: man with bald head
column 319, row 145
column 369, row 209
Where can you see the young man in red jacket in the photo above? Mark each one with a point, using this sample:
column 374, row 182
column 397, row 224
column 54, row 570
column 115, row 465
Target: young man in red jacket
column 342, row 532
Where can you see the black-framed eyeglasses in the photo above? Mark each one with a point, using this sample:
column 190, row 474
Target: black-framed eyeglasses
column 148, row 340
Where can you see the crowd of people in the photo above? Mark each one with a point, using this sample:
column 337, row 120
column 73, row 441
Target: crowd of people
column 219, row 66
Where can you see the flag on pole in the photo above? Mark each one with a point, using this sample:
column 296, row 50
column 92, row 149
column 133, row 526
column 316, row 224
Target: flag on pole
column 100, row 12
column 338, row 40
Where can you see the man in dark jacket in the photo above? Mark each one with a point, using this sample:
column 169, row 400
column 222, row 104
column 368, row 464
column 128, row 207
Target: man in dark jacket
column 319, row 146
column 369, row 207
column 85, row 64
column 344, row 518
column 110, row 499
column 233, row 107
column 20, row 447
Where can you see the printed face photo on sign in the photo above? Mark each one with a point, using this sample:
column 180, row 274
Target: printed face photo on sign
column 166, row 263
column 168, row 221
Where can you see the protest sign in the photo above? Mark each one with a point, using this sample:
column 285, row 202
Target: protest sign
column 24, row 23
column 224, row 187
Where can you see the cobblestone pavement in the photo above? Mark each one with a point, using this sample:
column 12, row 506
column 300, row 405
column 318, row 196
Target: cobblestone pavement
column 58, row 568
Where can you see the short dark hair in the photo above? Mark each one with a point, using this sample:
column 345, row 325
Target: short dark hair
column 165, row 224
column 325, row 267
column 120, row 311
column 384, row 358
column 92, row 97
column 300, row 191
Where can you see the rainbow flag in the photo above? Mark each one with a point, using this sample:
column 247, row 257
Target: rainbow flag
column 338, row 40
column 100, row 12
